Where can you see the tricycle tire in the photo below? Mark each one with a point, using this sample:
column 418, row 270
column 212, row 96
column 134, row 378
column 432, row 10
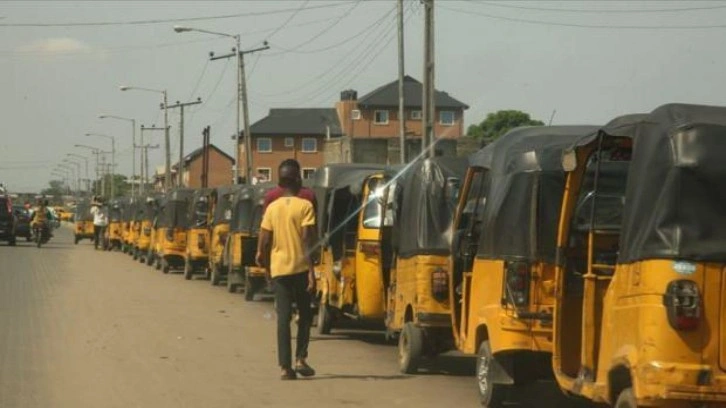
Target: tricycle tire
column 410, row 348
column 325, row 318
column 491, row 394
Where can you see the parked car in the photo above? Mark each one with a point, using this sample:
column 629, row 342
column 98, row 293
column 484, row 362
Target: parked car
column 22, row 222
column 7, row 220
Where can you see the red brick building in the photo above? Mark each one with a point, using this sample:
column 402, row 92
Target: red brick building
column 220, row 169
column 290, row 134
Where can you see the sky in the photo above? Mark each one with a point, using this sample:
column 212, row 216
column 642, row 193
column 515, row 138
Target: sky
column 62, row 62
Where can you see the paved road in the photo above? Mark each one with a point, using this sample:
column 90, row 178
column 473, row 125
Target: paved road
column 81, row 328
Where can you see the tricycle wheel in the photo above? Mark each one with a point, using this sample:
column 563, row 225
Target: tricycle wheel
column 149, row 258
column 410, row 348
column 250, row 288
column 75, row 239
column 164, row 266
column 135, row 254
column 12, row 242
column 30, row 238
column 157, row 261
column 626, row 399
column 214, row 279
column 188, row 269
column 491, row 394
column 325, row 318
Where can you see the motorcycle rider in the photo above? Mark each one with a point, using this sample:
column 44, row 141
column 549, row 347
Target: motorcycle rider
column 41, row 216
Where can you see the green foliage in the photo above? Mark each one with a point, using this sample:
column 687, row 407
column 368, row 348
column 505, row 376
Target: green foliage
column 499, row 123
column 123, row 188
column 57, row 189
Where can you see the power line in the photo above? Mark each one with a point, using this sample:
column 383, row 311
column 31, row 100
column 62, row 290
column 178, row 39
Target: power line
column 329, row 47
column 283, row 25
column 323, row 31
column 199, row 80
column 599, row 11
column 172, row 20
column 367, row 31
column 576, row 25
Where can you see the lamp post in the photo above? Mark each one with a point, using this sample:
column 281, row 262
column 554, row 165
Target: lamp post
column 85, row 159
column 78, row 172
column 96, row 152
column 167, row 143
column 113, row 159
column 63, row 176
column 71, row 172
column 133, row 144
column 241, row 96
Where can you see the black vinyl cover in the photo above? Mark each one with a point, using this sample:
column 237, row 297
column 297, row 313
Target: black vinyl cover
column 675, row 205
column 334, row 177
column 199, row 207
column 425, row 214
column 83, row 211
column 175, row 211
column 247, row 208
column 116, row 209
column 526, row 184
column 224, row 203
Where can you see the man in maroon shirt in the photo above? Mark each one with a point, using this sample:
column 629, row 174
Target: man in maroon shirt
column 277, row 192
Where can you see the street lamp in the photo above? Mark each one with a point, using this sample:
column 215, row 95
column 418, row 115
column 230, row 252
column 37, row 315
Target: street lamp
column 85, row 160
column 241, row 96
column 71, row 170
column 167, row 144
column 78, row 171
column 113, row 159
column 133, row 144
column 96, row 152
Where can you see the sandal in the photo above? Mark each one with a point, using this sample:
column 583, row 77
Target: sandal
column 304, row 369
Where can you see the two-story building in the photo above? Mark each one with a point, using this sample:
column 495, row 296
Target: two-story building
column 372, row 123
column 360, row 130
column 220, row 169
column 297, row 133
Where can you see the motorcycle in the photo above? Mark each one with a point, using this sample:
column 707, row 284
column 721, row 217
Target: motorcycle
column 41, row 234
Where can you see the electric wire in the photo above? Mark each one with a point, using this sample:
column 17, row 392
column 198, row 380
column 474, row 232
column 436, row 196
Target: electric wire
column 337, row 21
column 578, row 25
column 621, row 11
column 286, row 22
column 355, row 49
column 173, row 20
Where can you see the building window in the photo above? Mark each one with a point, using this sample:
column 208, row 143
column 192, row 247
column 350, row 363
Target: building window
column 264, row 174
column 308, row 173
column 416, row 115
column 446, row 118
column 264, row 145
column 309, row 145
column 355, row 114
column 381, row 117
column 289, row 142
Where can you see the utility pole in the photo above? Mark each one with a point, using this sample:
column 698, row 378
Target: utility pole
column 242, row 103
column 401, row 73
column 205, row 157
column 145, row 157
column 428, row 81
column 181, row 106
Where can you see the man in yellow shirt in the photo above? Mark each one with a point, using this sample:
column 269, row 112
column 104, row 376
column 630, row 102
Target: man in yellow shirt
column 287, row 238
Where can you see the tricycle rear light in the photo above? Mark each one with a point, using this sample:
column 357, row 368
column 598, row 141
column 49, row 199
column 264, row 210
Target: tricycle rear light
column 516, row 283
column 683, row 304
column 440, row 284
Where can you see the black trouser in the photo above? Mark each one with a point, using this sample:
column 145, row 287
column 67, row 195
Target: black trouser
column 289, row 289
column 98, row 231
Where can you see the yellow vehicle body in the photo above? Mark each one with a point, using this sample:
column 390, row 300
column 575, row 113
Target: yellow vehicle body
column 143, row 239
column 133, row 237
column 197, row 251
column 218, row 240
column 418, row 303
column 172, row 248
column 645, row 330
column 115, row 234
column 242, row 270
column 83, row 230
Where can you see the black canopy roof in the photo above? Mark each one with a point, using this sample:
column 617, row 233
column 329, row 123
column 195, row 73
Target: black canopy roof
column 83, row 210
column 525, row 184
column 247, row 207
column 676, row 188
column 426, row 199
column 222, row 210
column 174, row 212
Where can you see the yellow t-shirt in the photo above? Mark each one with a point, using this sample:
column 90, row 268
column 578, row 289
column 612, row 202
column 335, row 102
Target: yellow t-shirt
column 285, row 218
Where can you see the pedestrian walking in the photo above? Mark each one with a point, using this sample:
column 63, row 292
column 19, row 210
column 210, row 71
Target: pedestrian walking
column 287, row 237
column 100, row 221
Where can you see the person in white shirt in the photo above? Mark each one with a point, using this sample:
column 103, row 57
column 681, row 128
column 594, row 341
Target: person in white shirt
column 100, row 221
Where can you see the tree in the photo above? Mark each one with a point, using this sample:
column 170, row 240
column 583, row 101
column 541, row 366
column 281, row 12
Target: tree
column 499, row 123
column 123, row 188
column 57, row 189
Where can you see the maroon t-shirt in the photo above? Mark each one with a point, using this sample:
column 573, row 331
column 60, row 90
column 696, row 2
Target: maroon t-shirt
column 275, row 193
